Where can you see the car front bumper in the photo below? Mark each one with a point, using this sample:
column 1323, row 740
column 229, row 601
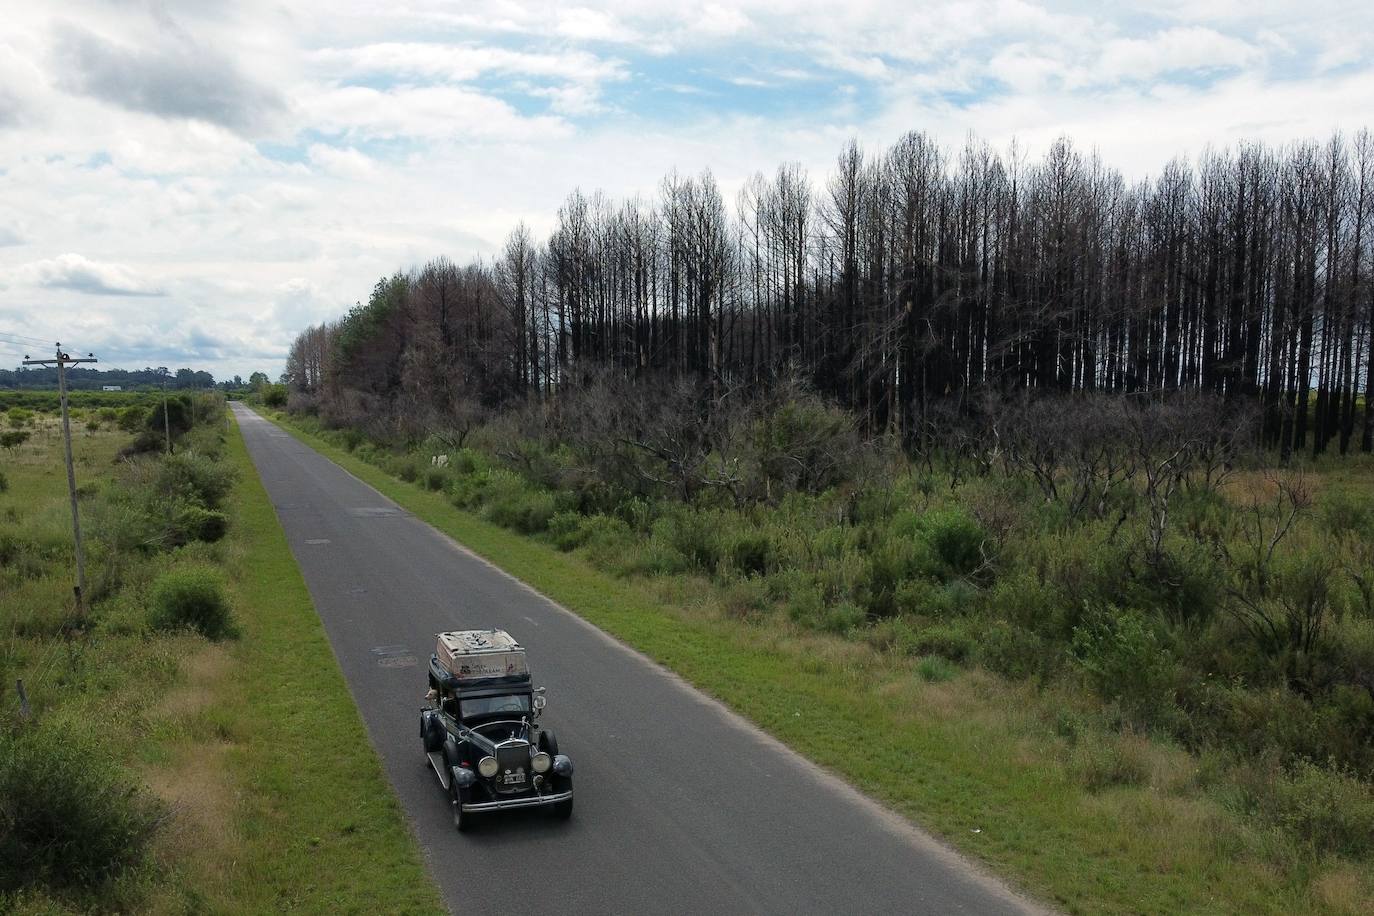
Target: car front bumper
column 504, row 804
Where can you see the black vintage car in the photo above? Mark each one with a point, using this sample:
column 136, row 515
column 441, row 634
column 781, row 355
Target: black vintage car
column 480, row 731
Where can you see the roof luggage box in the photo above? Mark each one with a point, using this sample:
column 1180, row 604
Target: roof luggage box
column 470, row 657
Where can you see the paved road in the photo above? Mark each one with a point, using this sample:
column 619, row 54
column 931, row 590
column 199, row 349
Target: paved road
column 681, row 806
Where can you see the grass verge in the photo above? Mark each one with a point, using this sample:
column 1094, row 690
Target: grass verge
column 1093, row 821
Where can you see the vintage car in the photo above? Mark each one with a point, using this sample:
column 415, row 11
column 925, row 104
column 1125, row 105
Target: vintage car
column 480, row 733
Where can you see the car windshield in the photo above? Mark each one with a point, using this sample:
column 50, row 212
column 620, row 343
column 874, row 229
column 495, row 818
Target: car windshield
column 518, row 703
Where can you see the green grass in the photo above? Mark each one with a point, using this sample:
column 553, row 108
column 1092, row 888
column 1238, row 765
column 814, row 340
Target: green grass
column 1091, row 821
column 274, row 799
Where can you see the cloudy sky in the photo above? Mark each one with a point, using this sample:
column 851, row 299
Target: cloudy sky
column 189, row 184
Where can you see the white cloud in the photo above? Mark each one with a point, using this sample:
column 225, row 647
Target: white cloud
column 1180, row 49
column 78, row 274
column 424, row 112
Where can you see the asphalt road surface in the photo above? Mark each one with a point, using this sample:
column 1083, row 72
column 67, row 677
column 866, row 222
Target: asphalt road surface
column 681, row 806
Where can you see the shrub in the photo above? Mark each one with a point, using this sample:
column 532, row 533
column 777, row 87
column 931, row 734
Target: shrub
column 132, row 418
column 752, row 553
column 935, row 668
column 69, row 815
column 512, row 504
column 957, row 539
column 352, row 438
column 1125, row 660
column 1014, row 652
column 1100, row 762
column 195, row 477
column 695, row 535
column 1332, row 811
column 1347, row 512
column 13, row 438
column 945, row 641
column 19, row 416
column 407, row 468
column 191, row 596
column 274, row 396
column 435, row 478
column 177, row 418
column 567, row 530
column 107, row 415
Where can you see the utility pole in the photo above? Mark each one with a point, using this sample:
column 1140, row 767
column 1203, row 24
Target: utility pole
column 62, row 361
column 166, row 421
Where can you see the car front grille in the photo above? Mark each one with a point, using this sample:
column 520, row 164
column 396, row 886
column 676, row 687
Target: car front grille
column 513, row 757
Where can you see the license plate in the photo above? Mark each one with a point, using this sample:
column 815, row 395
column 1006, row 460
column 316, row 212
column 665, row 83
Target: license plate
column 518, row 776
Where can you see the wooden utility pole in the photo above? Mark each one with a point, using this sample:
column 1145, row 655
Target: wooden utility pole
column 62, row 361
column 166, row 420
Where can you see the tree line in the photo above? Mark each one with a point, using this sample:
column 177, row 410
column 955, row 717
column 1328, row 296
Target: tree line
column 911, row 283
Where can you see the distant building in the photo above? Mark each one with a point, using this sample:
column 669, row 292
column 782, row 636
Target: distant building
column 111, row 387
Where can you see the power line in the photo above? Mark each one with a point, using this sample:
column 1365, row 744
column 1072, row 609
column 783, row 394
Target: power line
column 36, row 340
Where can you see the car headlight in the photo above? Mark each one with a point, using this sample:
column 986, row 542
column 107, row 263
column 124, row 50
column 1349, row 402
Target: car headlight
column 487, row 766
column 541, row 762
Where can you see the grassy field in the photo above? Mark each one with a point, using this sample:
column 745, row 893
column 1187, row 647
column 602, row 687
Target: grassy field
column 215, row 741
column 1030, row 778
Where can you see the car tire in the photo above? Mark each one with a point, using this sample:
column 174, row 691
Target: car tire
column 461, row 822
column 563, row 810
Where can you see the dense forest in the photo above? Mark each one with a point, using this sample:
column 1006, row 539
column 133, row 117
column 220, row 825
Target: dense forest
column 910, row 285
column 82, row 378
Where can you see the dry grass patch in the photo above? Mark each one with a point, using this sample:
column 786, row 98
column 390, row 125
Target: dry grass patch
column 1343, row 890
column 201, row 675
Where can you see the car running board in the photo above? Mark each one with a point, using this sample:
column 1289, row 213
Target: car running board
column 436, row 760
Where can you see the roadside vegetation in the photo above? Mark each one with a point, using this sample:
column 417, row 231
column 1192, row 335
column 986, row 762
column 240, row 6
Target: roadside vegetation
column 1116, row 653
column 154, row 763
column 1049, row 491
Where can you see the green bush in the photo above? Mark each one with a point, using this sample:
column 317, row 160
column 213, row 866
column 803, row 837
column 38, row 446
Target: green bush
column 1331, row 811
column 694, row 534
column 19, row 417
column 132, row 418
column 69, row 814
column 195, row 477
column 935, row 668
column 406, row 467
column 1100, row 762
column 177, row 418
column 107, row 415
column 752, row 553
column 13, row 438
column 567, row 531
column 1014, row 652
column 512, row 504
column 1346, row 511
column 274, row 396
column 435, row 478
column 191, row 597
column 957, row 539
column 1125, row 660
column 352, row 438
column 945, row 641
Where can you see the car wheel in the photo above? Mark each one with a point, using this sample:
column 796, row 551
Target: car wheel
column 461, row 821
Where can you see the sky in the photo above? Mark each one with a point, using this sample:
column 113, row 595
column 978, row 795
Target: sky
column 192, row 183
